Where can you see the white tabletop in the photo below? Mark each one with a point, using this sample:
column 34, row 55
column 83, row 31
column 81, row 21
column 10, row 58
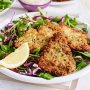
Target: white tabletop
column 10, row 84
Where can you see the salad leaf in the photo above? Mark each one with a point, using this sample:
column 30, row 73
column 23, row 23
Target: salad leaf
column 2, row 54
column 37, row 51
column 75, row 53
column 4, row 4
column 39, row 22
column 85, row 29
column 82, row 26
column 81, row 65
column 23, row 25
column 56, row 19
column 46, row 75
column 4, row 48
column 72, row 22
column 88, row 39
column 1, row 37
column 41, row 13
column 87, row 54
column 22, row 68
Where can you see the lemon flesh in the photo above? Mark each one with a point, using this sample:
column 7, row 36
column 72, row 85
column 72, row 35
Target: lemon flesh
column 16, row 58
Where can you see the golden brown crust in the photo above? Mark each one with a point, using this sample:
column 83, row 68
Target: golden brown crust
column 30, row 37
column 56, row 57
column 39, row 37
column 77, row 40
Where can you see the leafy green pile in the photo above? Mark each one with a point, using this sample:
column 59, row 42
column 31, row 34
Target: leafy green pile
column 5, row 4
column 18, row 27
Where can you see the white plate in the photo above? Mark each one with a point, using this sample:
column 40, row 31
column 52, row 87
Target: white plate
column 38, row 80
column 8, row 8
column 63, row 3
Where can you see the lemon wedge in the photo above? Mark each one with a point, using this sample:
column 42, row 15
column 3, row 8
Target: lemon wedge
column 17, row 58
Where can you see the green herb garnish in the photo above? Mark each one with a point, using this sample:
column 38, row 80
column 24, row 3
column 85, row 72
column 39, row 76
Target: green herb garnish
column 23, row 25
column 72, row 22
column 82, row 26
column 86, row 54
column 1, row 37
column 46, row 75
column 37, row 51
column 56, row 19
column 81, row 65
column 39, row 22
column 5, row 4
column 41, row 13
column 4, row 48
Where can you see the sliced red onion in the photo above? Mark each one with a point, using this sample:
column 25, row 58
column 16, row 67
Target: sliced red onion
column 29, row 20
column 27, row 64
column 9, row 38
column 62, row 19
column 2, row 31
column 34, row 72
column 9, row 25
column 35, row 65
column 49, row 18
column 36, row 17
column 29, row 73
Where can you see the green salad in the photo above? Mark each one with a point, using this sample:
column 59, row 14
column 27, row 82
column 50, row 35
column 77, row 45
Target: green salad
column 17, row 28
column 4, row 4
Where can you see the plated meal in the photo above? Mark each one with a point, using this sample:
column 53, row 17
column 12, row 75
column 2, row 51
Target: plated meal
column 5, row 5
column 59, row 46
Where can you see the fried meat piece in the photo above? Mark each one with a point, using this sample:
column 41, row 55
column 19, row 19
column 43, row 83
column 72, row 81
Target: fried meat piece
column 30, row 36
column 39, row 37
column 56, row 57
column 77, row 40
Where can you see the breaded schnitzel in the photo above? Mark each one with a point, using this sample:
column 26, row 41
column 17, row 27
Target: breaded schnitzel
column 56, row 57
column 39, row 37
column 77, row 40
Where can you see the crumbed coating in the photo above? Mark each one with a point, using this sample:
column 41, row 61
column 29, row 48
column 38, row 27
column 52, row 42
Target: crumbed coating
column 39, row 37
column 77, row 40
column 56, row 57
column 30, row 36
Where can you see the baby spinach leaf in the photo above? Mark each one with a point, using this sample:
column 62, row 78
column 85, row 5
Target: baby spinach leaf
column 72, row 22
column 37, row 51
column 81, row 65
column 82, row 26
column 4, row 48
column 23, row 25
column 87, row 54
column 38, row 23
column 46, row 75
column 56, row 19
